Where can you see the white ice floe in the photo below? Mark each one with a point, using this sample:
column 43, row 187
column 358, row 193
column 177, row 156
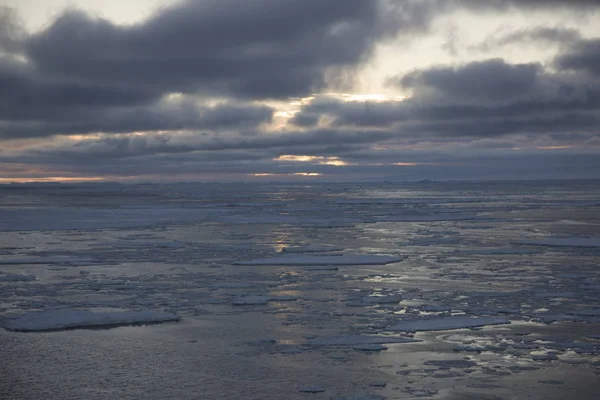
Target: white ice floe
column 304, row 260
column 446, row 323
column 16, row 278
column 358, row 340
column 565, row 242
column 68, row 318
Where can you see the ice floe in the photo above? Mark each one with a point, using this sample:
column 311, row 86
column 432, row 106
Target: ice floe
column 357, row 340
column 446, row 323
column 68, row 318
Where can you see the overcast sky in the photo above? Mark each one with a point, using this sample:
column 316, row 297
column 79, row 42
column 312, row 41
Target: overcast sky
column 166, row 90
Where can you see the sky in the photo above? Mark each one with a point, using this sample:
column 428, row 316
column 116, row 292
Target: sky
column 300, row 90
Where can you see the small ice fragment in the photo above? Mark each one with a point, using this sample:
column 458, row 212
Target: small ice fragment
column 250, row 301
column 312, row 389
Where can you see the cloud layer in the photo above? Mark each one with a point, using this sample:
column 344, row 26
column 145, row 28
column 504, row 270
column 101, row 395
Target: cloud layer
column 222, row 88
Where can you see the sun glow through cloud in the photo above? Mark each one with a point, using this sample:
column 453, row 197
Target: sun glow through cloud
column 335, row 161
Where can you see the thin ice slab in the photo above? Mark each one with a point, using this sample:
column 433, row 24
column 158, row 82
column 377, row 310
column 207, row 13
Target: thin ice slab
column 446, row 323
column 309, row 260
column 358, row 340
column 68, row 318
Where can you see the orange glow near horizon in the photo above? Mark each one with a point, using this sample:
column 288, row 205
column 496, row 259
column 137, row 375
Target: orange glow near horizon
column 56, row 179
column 259, row 175
column 553, row 147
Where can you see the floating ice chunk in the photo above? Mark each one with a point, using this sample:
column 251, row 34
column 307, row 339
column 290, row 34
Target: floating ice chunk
column 369, row 347
column 68, row 318
column 311, row 249
column 361, row 397
column 312, row 389
column 356, row 340
column 16, row 278
column 303, row 260
column 565, row 242
column 446, row 323
column 251, row 301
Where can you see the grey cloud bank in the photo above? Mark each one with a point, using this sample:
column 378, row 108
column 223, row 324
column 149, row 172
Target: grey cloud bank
column 198, row 88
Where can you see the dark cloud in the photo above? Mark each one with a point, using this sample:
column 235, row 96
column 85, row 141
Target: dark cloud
column 539, row 36
column 159, row 116
column 584, row 56
column 481, row 99
column 162, row 76
column 257, row 49
column 490, row 80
